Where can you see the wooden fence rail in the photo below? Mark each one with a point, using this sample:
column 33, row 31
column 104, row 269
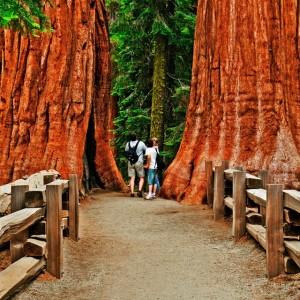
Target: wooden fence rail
column 35, row 229
column 262, row 209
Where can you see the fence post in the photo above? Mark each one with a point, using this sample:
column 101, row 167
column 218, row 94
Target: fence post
column 274, row 222
column 225, row 164
column 210, row 182
column 218, row 203
column 48, row 178
column 239, row 205
column 18, row 203
column 73, row 207
column 264, row 175
column 54, row 229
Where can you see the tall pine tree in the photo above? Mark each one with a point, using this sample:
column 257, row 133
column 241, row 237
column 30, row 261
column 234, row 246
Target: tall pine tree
column 152, row 45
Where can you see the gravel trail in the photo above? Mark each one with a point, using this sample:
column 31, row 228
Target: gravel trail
column 134, row 249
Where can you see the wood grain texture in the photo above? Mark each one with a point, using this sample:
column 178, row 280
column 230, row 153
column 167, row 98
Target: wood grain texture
column 18, row 221
column 239, row 209
column 54, row 229
column 18, row 273
column 274, row 224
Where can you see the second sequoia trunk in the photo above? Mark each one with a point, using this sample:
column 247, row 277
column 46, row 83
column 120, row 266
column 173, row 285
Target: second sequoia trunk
column 244, row 102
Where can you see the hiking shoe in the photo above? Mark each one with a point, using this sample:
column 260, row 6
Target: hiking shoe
column 148, row 197
column 139, row 193
column 131, row 195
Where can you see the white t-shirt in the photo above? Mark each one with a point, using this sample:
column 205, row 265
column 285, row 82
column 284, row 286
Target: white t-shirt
column 152, row 153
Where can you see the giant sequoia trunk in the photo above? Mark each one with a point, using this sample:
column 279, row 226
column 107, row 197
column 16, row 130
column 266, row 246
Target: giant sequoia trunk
column 245, row 97
column 53, row 89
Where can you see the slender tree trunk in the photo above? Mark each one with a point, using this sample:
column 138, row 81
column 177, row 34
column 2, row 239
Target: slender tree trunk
column 49, row 87
column 244, row 102
column 159, row 88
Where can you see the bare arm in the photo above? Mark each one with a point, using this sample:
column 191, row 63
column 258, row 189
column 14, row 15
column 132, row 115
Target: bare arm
column 147, row 166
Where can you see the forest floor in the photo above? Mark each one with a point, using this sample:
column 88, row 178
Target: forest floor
column 134, row 249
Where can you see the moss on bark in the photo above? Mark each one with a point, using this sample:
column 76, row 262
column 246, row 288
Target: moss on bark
column 159, row 88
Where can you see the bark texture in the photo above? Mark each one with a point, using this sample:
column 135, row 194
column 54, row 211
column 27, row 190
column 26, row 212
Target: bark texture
column 159, row 89
column 245, row 97
column 50, row 87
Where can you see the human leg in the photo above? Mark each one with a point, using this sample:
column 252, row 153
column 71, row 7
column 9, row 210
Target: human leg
column 139, row 167
column 156, row 185
column 154, row 190
column 151, row 176
column 131, row 174
column 132, row 179
column 149, row 195
column 141, row 185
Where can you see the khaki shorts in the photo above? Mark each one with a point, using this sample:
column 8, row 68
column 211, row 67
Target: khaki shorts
column 136, row 170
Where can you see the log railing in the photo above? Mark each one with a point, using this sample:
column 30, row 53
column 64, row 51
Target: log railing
column 35, row 228
column 266, row 211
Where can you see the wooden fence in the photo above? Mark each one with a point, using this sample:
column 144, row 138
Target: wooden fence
column 35, row 228
column 268, row 213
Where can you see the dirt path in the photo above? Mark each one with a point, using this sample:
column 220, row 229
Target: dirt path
column 135, row 249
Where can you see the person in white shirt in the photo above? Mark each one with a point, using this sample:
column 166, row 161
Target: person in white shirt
column 156, row 186
column 151, row 167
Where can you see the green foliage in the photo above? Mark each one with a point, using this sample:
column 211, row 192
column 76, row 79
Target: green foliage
column 176, row 124
column 134, row 26
column 25, row 16
column 126, row 123
column 173, row 141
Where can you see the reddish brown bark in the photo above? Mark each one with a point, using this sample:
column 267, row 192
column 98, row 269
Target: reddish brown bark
column 49, row 87
column 244, row 102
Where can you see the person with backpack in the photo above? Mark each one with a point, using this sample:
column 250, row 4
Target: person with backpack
column 151, row 166
column 135, row 154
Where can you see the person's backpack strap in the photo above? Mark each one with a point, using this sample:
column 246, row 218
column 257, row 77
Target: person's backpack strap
column 159, row 161
column 135, row 147
column 156, row 158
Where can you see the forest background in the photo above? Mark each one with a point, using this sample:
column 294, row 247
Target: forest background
column 152, row 51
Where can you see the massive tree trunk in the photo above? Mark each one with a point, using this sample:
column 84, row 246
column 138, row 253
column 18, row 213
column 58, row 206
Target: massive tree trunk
column 51, row 89
column 245, row 97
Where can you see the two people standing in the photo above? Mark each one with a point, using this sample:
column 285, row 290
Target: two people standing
column 138, row 168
